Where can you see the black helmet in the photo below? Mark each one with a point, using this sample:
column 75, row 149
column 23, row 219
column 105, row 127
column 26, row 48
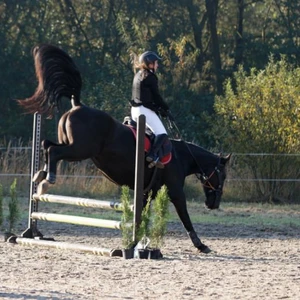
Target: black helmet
column 148, row 57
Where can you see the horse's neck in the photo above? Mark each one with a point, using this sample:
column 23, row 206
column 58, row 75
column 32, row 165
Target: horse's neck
column 199, row 159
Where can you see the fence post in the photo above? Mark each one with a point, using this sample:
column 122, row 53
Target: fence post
column 139, row 175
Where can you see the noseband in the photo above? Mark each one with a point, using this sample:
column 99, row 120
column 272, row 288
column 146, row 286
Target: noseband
column 205, row 179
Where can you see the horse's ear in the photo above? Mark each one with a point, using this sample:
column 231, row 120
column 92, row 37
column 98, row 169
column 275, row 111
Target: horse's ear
column 225, row 159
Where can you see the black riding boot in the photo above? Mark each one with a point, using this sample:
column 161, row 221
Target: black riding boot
column 153, row 155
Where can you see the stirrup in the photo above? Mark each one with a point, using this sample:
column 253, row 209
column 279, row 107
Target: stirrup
column 156, row 163
column 152, row 158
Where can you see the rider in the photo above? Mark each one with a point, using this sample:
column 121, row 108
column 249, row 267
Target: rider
column 147, row 100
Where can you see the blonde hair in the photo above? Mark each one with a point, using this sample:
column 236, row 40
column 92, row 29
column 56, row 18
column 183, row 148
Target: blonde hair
column 136, row 65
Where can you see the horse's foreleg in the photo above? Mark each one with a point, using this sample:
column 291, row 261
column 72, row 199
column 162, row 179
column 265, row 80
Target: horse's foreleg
column 145, row 199
column 51, row 168
column 53, row 153
column 197, row 242
column 42, row 174
column 181, row 208
column 39, row 176
column 68, row 152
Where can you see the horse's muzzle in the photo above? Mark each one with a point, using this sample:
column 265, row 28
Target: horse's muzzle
column 213, row 200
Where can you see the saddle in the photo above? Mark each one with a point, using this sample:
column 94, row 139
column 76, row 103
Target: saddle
column 165, row 153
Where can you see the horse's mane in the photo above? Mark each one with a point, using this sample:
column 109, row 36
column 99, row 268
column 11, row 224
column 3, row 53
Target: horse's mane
column 57, row 76
column 199, row 148
column 198, row 151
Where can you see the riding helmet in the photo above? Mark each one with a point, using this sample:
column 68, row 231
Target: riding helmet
column 148, row 57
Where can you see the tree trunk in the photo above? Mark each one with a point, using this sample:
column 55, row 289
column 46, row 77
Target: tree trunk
column 197, row 31
column 239, row 41
column 212, row 11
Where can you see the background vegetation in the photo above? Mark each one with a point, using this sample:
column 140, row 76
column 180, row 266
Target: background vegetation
column 230, row 73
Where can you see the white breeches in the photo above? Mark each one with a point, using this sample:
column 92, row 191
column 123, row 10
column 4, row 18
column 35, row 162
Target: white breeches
column 152, row 119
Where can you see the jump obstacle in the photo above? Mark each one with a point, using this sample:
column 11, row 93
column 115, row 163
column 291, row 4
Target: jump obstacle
column 33, row 237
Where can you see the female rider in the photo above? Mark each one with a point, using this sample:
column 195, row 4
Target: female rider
column 147, row 100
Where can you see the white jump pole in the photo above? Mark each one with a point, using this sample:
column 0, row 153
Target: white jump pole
column 32, row 237
column 65, row 246
column 77, row 220
column 86, row 202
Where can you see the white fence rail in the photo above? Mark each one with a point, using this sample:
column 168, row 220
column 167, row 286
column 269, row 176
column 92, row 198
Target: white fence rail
column 100, row 177
column 241, row 179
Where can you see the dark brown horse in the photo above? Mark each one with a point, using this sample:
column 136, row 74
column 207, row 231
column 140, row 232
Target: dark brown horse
column 85, row 132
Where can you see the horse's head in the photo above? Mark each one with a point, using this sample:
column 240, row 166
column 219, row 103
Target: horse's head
column 213, row 182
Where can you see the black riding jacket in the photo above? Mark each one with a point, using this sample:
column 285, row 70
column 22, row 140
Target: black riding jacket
column 145, row 91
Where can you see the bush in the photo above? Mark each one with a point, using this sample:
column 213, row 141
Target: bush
column 127, row 217
column 160, row 218
column 260, row 113
column 13, row 205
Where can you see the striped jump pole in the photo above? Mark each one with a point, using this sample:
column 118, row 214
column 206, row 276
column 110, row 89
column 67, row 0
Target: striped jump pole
column 66, row 246
column 32, row 237
column 62, row 218
column 86, row 202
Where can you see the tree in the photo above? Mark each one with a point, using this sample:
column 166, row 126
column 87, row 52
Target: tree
column 260, row 113
column 202, row 43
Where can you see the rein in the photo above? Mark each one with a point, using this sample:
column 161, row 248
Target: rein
column 146, row 190
column 204, row 179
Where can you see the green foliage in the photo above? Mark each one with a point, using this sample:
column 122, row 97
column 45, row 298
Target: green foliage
column 127, row 217
column 102, row 35
column 182, row 90
column 265, row 109
column 13, row 206
column 260, row 113
column 143, row 230
column 153, row 219
column 160, row 217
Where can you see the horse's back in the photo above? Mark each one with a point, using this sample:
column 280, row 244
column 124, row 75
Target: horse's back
column 82, row 122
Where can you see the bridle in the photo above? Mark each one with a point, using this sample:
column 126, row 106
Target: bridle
column 202, row 177
column 205, row 179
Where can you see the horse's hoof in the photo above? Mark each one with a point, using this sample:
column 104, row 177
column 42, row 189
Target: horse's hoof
column 39, row 176
column 43, row 187
column 204, row 249
column 51, row 177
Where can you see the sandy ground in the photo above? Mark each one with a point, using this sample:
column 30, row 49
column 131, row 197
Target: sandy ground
column 247, row 263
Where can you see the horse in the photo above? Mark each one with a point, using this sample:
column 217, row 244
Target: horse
column 88, row 133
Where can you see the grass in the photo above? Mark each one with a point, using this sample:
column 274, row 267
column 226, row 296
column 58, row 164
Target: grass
column 83, row 181
column 268, row 215
column 256, row 215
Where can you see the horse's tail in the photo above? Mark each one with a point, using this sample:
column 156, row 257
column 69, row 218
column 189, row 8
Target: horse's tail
column 57, row 77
